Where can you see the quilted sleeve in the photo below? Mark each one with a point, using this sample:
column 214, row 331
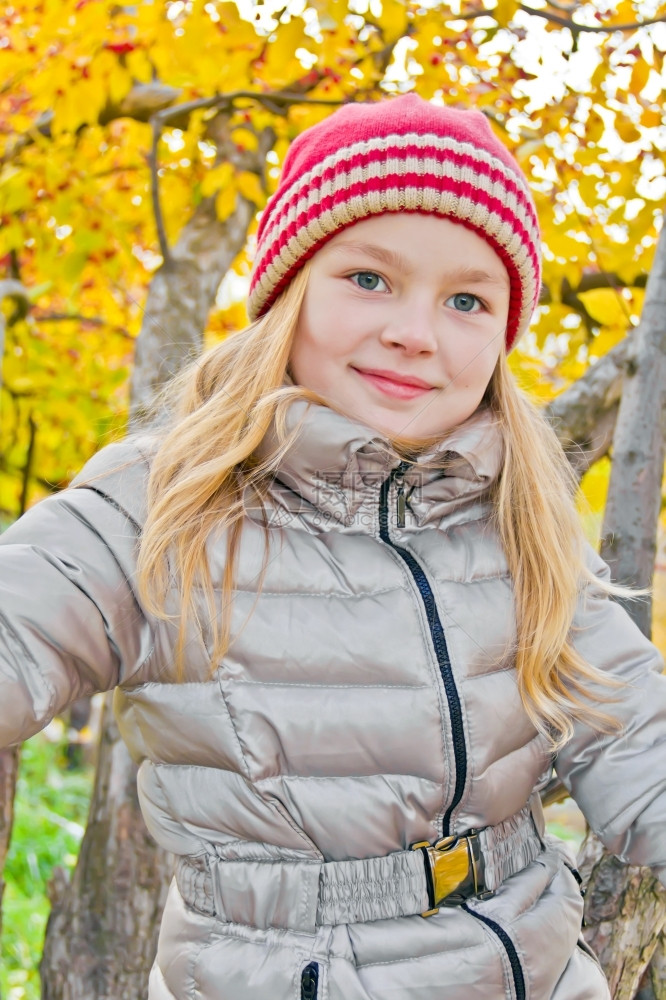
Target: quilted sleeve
column 619, row 781
column 70, row 623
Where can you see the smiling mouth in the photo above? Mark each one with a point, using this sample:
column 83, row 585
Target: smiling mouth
column 394, row 386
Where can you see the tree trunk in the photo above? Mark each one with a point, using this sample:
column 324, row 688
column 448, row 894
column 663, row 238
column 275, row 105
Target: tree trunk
column 101, row 938
column 625, row 907
column 584, row 415
column 9, row 288
column 625, row 915
column 9, row 760
column 653, row 984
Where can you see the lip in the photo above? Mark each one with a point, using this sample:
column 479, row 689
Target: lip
column 393, row 383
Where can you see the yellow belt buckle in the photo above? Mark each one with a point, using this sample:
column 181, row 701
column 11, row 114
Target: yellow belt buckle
column 448, row 865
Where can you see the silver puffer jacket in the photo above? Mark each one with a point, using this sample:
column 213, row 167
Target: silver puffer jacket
column 368, row 703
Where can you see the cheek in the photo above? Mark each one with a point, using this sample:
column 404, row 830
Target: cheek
column 324, row 335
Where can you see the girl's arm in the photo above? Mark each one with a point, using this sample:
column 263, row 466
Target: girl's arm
column 70, row 624
column 619, row 781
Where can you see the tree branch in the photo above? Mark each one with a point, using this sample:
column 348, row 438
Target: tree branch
column 583, row 416
column 27, row 468
column 84, row 320
column 155, row 193
column 565, row 22
column 575, row 27
column 11, row 288
column 277, row 101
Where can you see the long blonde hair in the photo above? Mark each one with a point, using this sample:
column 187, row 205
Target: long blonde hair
column 205, row 473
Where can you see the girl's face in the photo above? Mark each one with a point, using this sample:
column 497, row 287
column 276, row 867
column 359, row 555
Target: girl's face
column 402, row 323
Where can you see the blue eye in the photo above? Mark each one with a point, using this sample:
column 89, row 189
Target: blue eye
column 465, row 302
column 367, row 280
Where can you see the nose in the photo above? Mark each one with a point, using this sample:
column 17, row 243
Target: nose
column 411, row 327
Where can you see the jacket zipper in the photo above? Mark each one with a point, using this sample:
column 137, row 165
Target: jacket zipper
column 436, row 634
column 452, row 696
column 509, row 947
column 310, row 981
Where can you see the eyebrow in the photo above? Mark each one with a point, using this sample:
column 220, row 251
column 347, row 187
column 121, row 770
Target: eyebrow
column 392, row 258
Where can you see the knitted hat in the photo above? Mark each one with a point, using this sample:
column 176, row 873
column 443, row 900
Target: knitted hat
column 402, row 154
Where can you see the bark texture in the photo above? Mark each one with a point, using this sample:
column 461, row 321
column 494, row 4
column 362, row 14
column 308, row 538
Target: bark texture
column 584, row 415
column 9, row 288
column 9, row 760
column 180, row 297
column 625, row 915
column 625, row 907
column 629, row 535
column 184, row 287
column 100, row 937
column 653, row 984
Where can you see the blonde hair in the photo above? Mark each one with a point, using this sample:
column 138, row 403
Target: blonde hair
column 205, row 475
column 543, row 542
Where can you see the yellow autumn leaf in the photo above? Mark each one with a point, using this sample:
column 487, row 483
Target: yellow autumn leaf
column 69, row 111
column 651, row 117
column 139, row 66
column 562, row 244
column 594, row 127
column 504, row 11
column 594, row 488
column 587, row 188
column 393, row 18
column 608, row 337
column 217, row 178
column 639, row 76
column 245, row 138
column 626, row 129
column 599, row 75
column 625, row 12
column 119, row 83
column 249, row 186
column 605, row 306
column 225, row 203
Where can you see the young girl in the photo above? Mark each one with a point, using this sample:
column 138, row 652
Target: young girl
column 345, row 602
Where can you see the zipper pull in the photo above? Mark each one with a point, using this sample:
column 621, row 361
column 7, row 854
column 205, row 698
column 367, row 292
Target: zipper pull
column 401, row 502
column 309, row 981
column 400, row 483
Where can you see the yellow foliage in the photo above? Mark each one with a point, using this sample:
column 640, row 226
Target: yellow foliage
column 280, row 64
column 216, row 178
column 225, row 203
column 393, row 19
column 594, row 127
column 626, row 129
column 640, row 74
column 608, row 338
column 651, row 117
column 599, row 76
column 504, row 11
column 245, row 138
column 250, row 187
column 625, row 13
column 605, row 305
column 139, row 66
column 591, row 498
column 75, row 199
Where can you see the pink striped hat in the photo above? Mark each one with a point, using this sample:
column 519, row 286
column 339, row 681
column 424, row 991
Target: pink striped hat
column 399, row 155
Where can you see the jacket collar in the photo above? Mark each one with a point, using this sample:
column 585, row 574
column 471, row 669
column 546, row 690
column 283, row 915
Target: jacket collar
column 338, row 465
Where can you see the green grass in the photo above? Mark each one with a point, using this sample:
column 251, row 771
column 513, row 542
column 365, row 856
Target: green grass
column 51, row 809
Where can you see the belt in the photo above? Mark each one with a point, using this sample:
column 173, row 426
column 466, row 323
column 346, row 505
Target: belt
column 302, row 894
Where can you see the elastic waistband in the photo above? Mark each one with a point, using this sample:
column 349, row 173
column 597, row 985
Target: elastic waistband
column 302, row 894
